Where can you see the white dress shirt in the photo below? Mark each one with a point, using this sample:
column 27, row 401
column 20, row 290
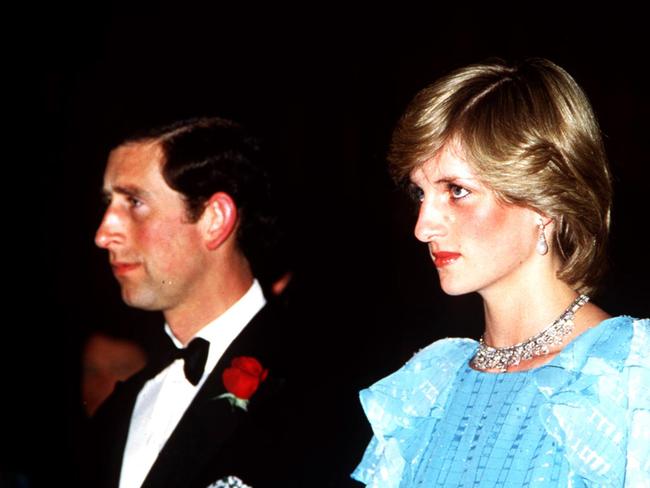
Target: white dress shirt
column 163, row 400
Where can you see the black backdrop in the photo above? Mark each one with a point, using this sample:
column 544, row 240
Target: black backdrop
column 324, row 88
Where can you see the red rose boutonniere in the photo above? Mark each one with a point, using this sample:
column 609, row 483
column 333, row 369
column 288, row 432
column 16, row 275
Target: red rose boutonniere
column 242, row 379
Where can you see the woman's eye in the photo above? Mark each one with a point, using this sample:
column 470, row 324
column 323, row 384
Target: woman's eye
column 458, row 192
column 416, row 193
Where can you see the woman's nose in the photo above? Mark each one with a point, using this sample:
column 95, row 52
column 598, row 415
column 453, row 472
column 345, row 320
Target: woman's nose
column 431, row 222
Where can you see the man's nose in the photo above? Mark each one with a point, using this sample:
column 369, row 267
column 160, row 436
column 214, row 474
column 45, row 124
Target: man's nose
column 431, row 222
column 110, row 229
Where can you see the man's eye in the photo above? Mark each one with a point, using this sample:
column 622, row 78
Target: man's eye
column 416, row 193
column 458, row 192
column 134, row 202
column 106, row 200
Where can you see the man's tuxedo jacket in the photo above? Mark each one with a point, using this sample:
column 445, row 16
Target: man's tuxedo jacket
column 270, row 444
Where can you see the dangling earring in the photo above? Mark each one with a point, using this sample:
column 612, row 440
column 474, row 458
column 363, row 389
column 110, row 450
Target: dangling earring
column 542, row 246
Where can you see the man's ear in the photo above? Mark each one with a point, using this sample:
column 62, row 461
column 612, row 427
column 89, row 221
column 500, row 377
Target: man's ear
column 219, row 219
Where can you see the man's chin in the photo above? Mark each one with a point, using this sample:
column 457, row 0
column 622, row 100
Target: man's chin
column 140, row 301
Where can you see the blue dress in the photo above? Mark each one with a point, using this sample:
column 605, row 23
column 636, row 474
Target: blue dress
column 581, row 420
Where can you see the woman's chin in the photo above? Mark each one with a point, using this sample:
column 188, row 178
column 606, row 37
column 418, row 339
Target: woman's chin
column 455, row 289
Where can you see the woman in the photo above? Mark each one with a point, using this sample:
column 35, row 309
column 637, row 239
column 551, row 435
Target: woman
column 508, row 165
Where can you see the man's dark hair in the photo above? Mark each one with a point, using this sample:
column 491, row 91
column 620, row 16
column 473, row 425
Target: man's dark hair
column 203, row 156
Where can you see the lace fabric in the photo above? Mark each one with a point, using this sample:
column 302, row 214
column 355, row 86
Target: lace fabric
column 595, row 408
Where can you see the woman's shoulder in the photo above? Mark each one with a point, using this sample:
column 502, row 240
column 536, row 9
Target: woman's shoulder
column 450, row 351
column 407, row 403
column 616, row 340
column 600, row 358
column 437, row 363
column 419, row 389
column 629, row 335
column 420, row 385
column 636, row 326
column 598, row 402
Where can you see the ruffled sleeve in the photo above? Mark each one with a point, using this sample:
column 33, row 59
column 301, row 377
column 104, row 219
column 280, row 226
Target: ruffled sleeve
column 403, row 409
column 598, row 404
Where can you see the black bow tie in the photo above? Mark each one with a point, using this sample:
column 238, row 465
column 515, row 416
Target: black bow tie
column 195, row 355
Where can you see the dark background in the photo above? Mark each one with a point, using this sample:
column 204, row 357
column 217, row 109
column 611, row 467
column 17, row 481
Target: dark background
column 324, row 88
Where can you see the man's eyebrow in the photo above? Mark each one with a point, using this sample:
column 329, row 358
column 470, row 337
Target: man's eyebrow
column 128, row 190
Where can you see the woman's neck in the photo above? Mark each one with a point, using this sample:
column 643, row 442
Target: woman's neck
column 512, row 316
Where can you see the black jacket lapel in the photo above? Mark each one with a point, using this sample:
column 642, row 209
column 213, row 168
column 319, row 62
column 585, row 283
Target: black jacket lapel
column 209, row 422
column 109, row 429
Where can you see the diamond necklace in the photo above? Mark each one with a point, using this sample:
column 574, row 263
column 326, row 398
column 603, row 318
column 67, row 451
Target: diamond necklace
column 503, row 357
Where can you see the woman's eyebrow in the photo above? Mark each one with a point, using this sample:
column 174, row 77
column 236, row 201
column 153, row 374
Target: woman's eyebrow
column 452, row 179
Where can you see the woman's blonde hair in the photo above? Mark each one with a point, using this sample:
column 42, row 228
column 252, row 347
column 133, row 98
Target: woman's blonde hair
column 529, row 132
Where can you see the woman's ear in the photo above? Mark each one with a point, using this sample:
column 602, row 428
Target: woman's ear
column 546, row 222
column 219, row 219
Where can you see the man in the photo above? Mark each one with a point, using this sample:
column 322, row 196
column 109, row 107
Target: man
column 188, row 214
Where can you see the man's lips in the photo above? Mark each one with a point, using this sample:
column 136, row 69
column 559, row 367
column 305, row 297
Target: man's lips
column 123, row 268
column 443, row 258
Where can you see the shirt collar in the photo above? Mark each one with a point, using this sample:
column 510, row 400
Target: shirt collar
column 224, row 329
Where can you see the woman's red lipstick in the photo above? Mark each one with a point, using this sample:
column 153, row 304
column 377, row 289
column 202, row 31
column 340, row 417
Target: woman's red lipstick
column 443, row 258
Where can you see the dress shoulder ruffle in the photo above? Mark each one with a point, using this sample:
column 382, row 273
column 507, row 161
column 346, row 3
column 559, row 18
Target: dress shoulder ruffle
column 597, row 407
column 598, row 403
column 403, row 409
